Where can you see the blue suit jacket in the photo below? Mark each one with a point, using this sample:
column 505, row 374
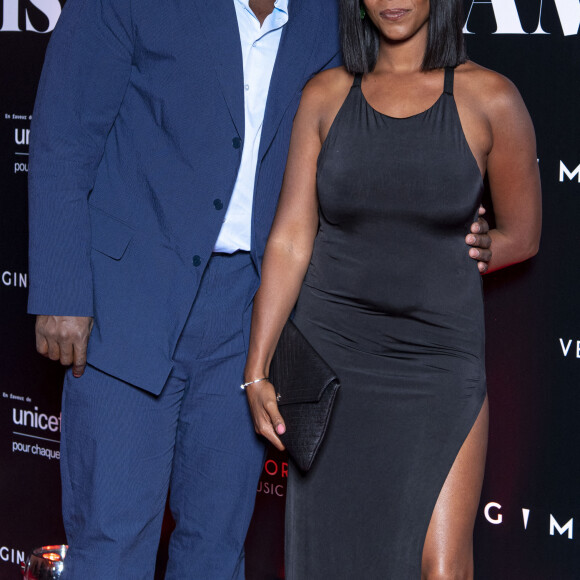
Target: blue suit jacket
column 136, row 142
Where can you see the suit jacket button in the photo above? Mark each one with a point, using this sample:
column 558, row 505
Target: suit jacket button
column 196, row 261
column 218, row 204
column 236, row 142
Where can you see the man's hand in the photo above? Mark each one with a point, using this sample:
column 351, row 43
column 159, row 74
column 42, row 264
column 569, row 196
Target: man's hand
column 64, row 338
column 481, row 242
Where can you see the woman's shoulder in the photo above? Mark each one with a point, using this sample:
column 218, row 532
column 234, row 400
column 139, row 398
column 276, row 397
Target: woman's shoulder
column 491, row 91
column 328, row 84
column 324, row 94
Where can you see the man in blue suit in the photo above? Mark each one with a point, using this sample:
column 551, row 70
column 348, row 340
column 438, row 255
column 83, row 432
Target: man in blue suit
column 158, row 146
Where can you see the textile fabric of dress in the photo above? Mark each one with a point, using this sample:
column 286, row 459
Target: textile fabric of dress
column 403, row 329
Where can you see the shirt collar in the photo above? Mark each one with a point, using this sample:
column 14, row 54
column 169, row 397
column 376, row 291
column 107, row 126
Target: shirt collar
column 281, row 5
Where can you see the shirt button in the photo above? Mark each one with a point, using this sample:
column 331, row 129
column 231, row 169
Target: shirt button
column 196, row 261
column 247, row 87
column 218, row 204
column 236, row 142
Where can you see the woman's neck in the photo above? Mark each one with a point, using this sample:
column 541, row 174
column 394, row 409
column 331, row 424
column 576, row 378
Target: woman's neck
column 404, row 56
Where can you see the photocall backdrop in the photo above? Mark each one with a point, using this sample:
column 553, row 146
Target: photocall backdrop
column 527, row 525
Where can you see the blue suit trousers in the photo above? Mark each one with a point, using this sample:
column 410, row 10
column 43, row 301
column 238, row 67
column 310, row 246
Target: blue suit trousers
column 123, row 448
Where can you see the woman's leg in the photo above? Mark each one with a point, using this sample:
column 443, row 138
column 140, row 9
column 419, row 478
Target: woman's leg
column 448, row 549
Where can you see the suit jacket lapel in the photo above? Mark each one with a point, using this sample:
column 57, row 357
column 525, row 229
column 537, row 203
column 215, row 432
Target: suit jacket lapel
column 220, row 25
column 296, row 45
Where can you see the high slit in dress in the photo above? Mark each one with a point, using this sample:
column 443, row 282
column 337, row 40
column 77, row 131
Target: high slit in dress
column 394, row 304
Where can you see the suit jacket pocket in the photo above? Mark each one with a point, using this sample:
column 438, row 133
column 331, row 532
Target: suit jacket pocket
column 109, row 235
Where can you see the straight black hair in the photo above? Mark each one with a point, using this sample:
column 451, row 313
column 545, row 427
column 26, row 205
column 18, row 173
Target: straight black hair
column 360, row 37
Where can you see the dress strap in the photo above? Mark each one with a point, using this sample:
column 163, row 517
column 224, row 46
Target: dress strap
column 449, row 75
column 357, row 80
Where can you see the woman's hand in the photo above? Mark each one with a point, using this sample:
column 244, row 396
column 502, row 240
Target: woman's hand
column 265, row 414
column 287, row 254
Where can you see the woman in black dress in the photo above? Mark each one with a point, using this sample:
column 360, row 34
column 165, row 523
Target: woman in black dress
column 387, row 159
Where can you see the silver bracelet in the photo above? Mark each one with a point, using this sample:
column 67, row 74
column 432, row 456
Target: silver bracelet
column 243, row 387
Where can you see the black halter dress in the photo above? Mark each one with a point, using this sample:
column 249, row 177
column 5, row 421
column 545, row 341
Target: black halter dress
column 394, row 304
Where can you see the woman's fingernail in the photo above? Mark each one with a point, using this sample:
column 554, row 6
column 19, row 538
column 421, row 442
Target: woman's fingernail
column 280, row 429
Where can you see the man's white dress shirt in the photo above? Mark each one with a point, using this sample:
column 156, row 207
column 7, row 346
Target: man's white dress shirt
column 259, row 49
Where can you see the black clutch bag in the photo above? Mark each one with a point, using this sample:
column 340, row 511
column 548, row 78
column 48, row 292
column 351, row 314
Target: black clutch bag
column 307, row 387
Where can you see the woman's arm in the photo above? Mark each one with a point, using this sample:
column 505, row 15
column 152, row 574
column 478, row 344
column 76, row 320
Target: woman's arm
column 286, row 259
column 514, row 177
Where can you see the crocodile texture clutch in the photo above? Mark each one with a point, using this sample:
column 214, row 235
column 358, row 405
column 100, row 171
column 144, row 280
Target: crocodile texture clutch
column 307, row 387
